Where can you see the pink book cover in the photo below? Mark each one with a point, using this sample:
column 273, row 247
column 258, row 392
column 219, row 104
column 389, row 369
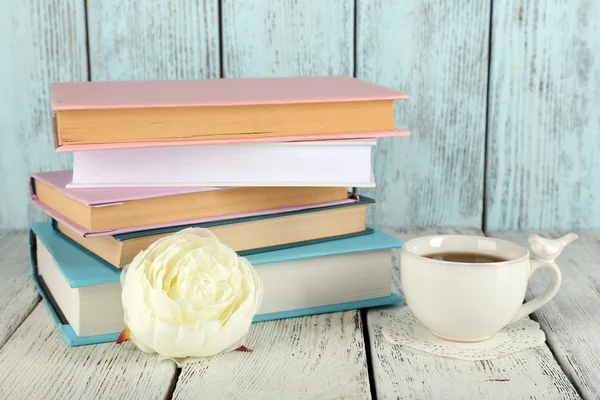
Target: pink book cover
column 113, row 196
column 218, row 92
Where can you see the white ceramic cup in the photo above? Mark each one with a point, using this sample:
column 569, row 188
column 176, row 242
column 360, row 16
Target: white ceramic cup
column 467, row 302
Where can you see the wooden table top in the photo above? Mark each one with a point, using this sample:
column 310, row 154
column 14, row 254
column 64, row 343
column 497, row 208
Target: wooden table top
column 329, row 356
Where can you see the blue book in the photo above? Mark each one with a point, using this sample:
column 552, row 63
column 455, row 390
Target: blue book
column 82, row 291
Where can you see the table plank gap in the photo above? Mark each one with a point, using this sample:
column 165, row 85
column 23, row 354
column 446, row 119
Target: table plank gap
column 174, row 382
column 570, row 320
column 368, row 355
column 403, row 373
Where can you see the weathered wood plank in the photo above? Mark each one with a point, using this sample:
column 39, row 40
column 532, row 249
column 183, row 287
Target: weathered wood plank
column 437, row 52
column 41, row 42
column 18, row 295
column 544, row 117
column 171, row 39
column 316, row 357
column 36, row 364
column 570, row 320
column 287, row 37
column 402, row 373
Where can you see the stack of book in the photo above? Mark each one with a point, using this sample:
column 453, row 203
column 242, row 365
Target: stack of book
column 269, row 165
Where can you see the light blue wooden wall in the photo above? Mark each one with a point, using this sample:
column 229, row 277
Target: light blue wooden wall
column 543, row 167
column 505, row 95
column 438, row 53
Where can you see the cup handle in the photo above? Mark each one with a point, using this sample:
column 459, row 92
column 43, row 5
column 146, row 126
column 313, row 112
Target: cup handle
column 545, row 251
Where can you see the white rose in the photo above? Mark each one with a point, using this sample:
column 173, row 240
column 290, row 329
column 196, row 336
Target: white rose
column 189, row 295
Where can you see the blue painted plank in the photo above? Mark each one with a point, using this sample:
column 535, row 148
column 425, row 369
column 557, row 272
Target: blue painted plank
column 266, row 38
column 40, row 42
column 544, row 116
column 437, row 52
column 170, row 39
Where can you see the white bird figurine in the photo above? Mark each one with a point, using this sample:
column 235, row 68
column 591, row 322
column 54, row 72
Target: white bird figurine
column 549, row 249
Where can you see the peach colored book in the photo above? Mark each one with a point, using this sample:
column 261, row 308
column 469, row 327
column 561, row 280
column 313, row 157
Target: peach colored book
column 157, row 113
column 109, row 197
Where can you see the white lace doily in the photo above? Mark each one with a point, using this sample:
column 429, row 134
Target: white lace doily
column 404, row 329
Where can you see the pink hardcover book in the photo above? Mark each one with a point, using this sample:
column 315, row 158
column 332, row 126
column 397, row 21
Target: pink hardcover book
column 74, row 96
column 113, row 196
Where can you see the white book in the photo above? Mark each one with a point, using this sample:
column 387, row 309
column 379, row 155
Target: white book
column 344, row 163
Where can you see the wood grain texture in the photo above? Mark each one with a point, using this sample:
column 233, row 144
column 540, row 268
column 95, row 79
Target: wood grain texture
column 570, row 320
column 544, row 116
column 437, row 52
column 287, row 37
column 315, row 357
column 18, row 294
column 402, row 373
column 171, row 39
column 36, row 364
column 41, row 42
